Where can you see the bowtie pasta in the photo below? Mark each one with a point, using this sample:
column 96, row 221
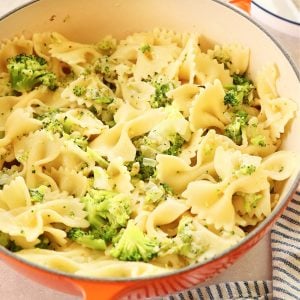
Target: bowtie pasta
column 135, row 157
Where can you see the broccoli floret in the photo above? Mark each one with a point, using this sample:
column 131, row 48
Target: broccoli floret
column 184, row 237
column 184, row 243
column 222, row 57
column 148, row 147
column 44, row 243
column 107, row 45
column 241, row 80
column 64, row 128
column 134, row 245
column 79, row 140
column 146, row 170
column 98, row 96
column 105, row 67
column 234, row 129
column 79, row 91
column 239, row 92
column 259, row 140
column 90, row 239
column 167, row 188
column 7, row 243
column 160, row 99
column 176, row 143
column 108, row 212
column 50, row 123
column 13, row 247
column 103, row 163
column 29, row 71
column 145, row 48
column 155, row 193
column 37, row 195
column 106, row 112
column 4, row 239
column 93, row 94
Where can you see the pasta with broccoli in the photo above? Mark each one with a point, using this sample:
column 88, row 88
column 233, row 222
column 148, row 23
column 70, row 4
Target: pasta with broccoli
column 135, row 157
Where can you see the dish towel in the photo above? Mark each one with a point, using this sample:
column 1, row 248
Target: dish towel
column 285, row 284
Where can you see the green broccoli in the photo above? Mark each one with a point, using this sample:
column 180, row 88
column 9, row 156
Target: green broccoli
column 105, row 67
column 44, row 243
column 98, row 96
column 13, row 247
column 94, row 94
column 49, row 121
column 155, row 193
column 79, row 140
column 108, row 212
column 149, row 146
column 146, row 169
column 4, row 239
column 107, row 45
column 222, row 57
column 234, row 129
column 134, row 245
column 160, row 99
column 79, row 90
column 145, row 157
column 28, row 71
column 184, row 242
column 259, row 140
column 145, row 48
column 184, row 238
column 176, row 143
column 103, row 163
column 239, row 92
column 90, row 239
column 107, row 110
column 6, row 242
column 241, row 80
column 37, row 195
column 64, row 128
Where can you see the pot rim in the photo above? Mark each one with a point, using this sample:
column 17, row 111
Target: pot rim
column 192, row 267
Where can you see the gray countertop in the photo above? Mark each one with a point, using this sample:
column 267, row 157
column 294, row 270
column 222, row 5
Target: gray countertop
column 14, row 286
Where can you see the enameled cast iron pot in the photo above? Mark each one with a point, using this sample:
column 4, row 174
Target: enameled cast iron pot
column 88, row 21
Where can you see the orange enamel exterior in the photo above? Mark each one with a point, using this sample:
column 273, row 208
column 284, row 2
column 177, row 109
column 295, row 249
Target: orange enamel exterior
column 243, row 4
column 88, row 19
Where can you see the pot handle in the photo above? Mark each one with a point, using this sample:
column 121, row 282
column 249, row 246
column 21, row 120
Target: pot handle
column 242, row 4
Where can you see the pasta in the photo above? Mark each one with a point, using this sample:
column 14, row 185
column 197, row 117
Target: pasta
column 135, row 157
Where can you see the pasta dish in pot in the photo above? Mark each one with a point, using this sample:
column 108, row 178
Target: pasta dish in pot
column 135, row 157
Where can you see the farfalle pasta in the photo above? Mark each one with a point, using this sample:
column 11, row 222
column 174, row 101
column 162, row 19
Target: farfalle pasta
column 135, row 157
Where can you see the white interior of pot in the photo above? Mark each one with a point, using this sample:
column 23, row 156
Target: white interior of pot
column 89, row 21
